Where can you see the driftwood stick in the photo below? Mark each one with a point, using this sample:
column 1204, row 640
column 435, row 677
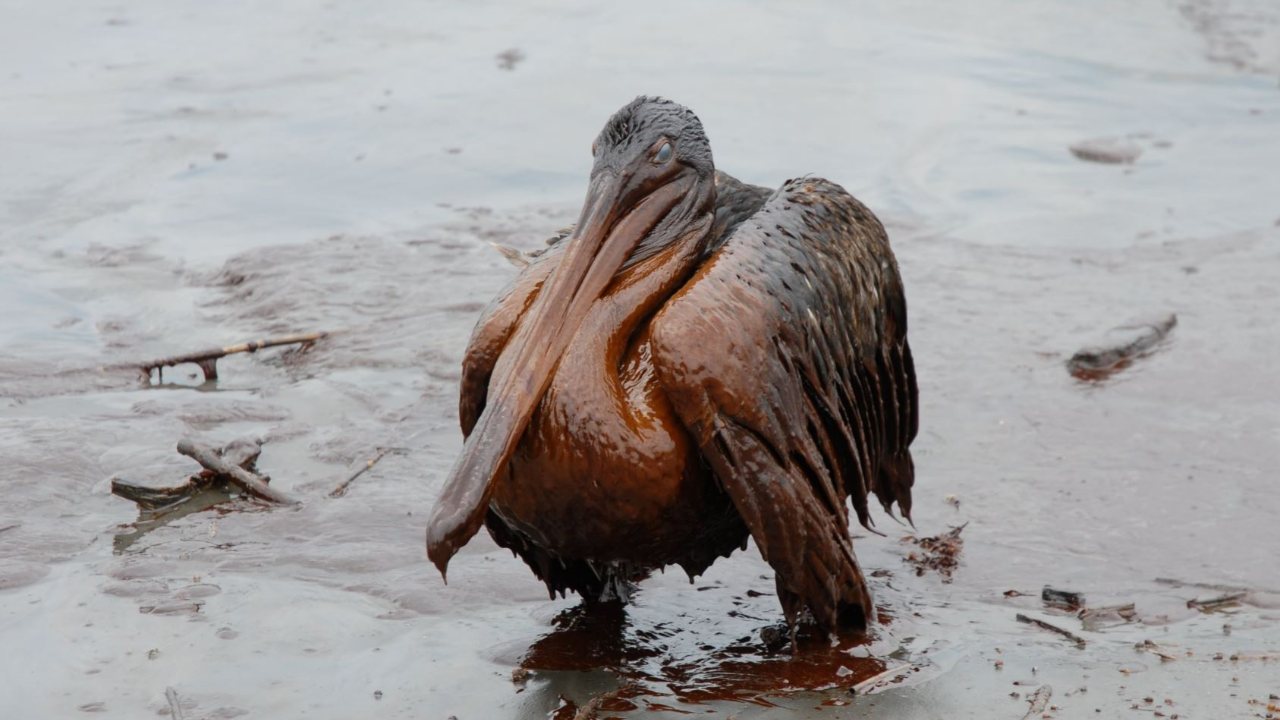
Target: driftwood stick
column 342, row 486
column 1217, row 603
column 1039, row 702
column 207, row 359
column 1155, row 649
column 242, row 453
column 175, row 707
column 251, row 483
column 1052, row 628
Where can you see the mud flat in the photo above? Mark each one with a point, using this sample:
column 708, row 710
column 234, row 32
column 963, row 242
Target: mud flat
column 171, row 190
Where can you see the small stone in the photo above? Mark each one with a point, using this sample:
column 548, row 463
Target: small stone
column 508, row 59
column 1108, row 151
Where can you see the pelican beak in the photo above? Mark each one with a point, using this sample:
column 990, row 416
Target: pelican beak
column 616, row 216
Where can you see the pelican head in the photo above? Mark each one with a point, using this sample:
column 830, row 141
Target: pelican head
column 652, row 184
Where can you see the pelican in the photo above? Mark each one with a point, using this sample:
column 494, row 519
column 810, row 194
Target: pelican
column 698, row 361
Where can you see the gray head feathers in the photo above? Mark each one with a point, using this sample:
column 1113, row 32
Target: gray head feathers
column 643, row 121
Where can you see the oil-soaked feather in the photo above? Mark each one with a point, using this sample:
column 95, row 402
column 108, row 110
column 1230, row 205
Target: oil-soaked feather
column 461, row 509
column 786, row 357
column 494, row 329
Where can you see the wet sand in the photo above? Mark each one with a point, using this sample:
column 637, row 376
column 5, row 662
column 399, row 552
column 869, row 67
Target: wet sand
column 190, row 175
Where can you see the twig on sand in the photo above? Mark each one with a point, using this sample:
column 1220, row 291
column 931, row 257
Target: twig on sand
column 342, row 486
column 159, row 506
column 175, row 707
column 1217, row 603
column 243, row 453
column 249, row 482
column 1039, row 701
column 1155, row 649
column 1052, row 628
column 1261, row 656
column 1262, row 597
column 1174, row 582
column 208, row 359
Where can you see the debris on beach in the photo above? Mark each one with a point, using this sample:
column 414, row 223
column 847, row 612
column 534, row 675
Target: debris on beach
column 1108, row 151
column 1217, row 603
column 1046, row 625
column 509, row 58
column 1062, row 599
column 228, row 471
column 1147, row 646
column 1119, row 347
column 241, row 453
column 940, row 553
column 1101, row 617
column 1039, row 701
column 207, row 360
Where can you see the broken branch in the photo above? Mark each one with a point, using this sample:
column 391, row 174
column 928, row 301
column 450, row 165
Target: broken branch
column 175, row 706
column 207, row 359
column 342, row 487
column 1051, row 628
column 1039, row 701
column 241, row 453
column 1157, row 650
column 1217, row 603
column 1174, row 582
column 251, row 483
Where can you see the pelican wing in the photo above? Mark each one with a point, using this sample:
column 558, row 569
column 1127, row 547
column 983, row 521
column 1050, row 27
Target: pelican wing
column 786, row 357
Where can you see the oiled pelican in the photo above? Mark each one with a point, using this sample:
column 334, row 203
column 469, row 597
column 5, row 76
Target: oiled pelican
column 697, row 360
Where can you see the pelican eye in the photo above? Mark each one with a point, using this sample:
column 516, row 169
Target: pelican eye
column 663, row 154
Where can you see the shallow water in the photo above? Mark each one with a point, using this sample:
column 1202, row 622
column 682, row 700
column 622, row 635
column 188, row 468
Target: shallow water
column 180, row 175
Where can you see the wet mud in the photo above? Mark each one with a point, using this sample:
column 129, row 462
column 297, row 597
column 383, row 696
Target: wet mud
column 183, row 200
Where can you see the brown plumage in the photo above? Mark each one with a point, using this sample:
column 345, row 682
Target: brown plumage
column 699, row 360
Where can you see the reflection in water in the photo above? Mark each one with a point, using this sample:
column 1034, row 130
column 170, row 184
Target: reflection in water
column 205, row 497
column 650, row 661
